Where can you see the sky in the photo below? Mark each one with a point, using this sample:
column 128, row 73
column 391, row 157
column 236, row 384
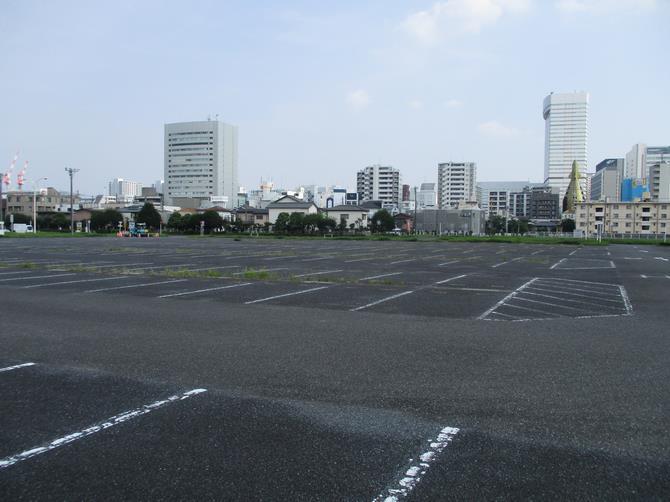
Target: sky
column 320, row 90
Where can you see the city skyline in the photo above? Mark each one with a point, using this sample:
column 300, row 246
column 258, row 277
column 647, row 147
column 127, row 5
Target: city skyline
column 410, row 85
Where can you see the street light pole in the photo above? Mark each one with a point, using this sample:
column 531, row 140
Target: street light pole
column 71, row 172
column 35, row 183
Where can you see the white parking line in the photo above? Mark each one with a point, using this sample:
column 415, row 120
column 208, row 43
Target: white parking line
column 183, row 293
column 35, row 277
column 317, row 259
column 381, row 301
column 379, row 276
column 448, row 263
column 76, row 282
column 361, row 259
column 319, row 273
column 506, row 262
column 660, row 258
column 135, row 285
column 100, row 426
column 14, row 273
column 16, row 367
column 557, row 263
column 402, row 261
column 451, row 279
column 508, row 297
column 573, row 252
column 284, row 295
column 159, row 266
column 537, row 252
column 409, row 478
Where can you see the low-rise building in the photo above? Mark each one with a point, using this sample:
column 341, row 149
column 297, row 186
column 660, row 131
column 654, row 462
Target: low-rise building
column 47, row 200
column 358, row 216
column 249, row 215
column 622, row 218
column 462, row 220
column 289, row 204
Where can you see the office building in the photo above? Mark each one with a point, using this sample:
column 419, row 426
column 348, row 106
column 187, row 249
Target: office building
column 200, row 162
column 641, row 158
column 456, row 182
column 544, row 204
column 456, row 220
column 124, row 190
column 565, row 137
column 659, row 181
column 426, row 196
column 606, row 181
column 495, row 196
column 381, row 183
column 622, row 218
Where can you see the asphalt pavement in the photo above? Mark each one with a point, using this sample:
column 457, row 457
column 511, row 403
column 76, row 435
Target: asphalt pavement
column 332, row 370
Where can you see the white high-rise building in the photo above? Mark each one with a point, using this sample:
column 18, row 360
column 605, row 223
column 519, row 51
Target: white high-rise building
column 124, row 189
column 426, row 197
column 200, row 160
column 456, row 182
column 566, row 135
column 642, row 158
column 379, row 183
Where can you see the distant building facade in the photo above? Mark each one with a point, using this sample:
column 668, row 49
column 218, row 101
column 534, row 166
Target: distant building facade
column 623, row 218
column 565, row 137
column 200, row 161
column 426, row 196
column 606, row 181
column 124, row 190
column 456, row 182
column 634, row 190
column 464, row 220
column 381, row 183
column 544, row 204
column 47, row 200
column 659, row 181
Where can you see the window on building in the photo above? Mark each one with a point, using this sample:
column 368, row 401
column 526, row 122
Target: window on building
column 646, row 209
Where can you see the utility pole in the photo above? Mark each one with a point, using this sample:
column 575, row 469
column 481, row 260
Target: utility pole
column 416, row 203
column 71, row 172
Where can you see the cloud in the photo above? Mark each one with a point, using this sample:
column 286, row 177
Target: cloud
column 453, row 103
column 495, row 129
column 458, row 16
column 603, row 6
column 415, row 104
column 358, row 98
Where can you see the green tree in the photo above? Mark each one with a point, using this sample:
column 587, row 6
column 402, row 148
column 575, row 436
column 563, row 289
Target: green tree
column 281, row 224
column 213, row 221
column 175, row 221
column 311, row 222
column 149, row 216
column 518, row 226
column 105, row 221
column 296, row 223
column 567, row 225
column 495, row 224
column 18, row 218
column 382, row 221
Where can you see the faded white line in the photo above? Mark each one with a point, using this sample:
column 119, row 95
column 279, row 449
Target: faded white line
column 626, row 300
column 360, row 259
column 448, row 263
column 35, row 277
column 379, row 276
column 557, row 263
column 381, row 301
column 285, row 295
column 76, row 282
column 402, row 261
column 660, row 258
column 418, row 465
column 319, row 273
column 210, row 268
column 506, row 262
column 537, row 252
column 582, row 282
column 183, row 293
column 484, row 290
column 508, row 297
column 14, row 273
column 451, row 279
column 260, row 270
column 317, row 259
column 16, row 367
column 573, row 252
column 135, row 286
column 100, row 426
column 580, row 302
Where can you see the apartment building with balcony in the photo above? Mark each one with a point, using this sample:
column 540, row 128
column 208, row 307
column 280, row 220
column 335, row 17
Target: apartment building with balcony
column 380, row 183
column 646, row 217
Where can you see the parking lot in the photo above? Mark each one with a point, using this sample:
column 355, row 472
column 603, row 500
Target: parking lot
column 338, row 370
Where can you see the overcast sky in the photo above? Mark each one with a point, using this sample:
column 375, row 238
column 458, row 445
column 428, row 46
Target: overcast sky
column 322, row 89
